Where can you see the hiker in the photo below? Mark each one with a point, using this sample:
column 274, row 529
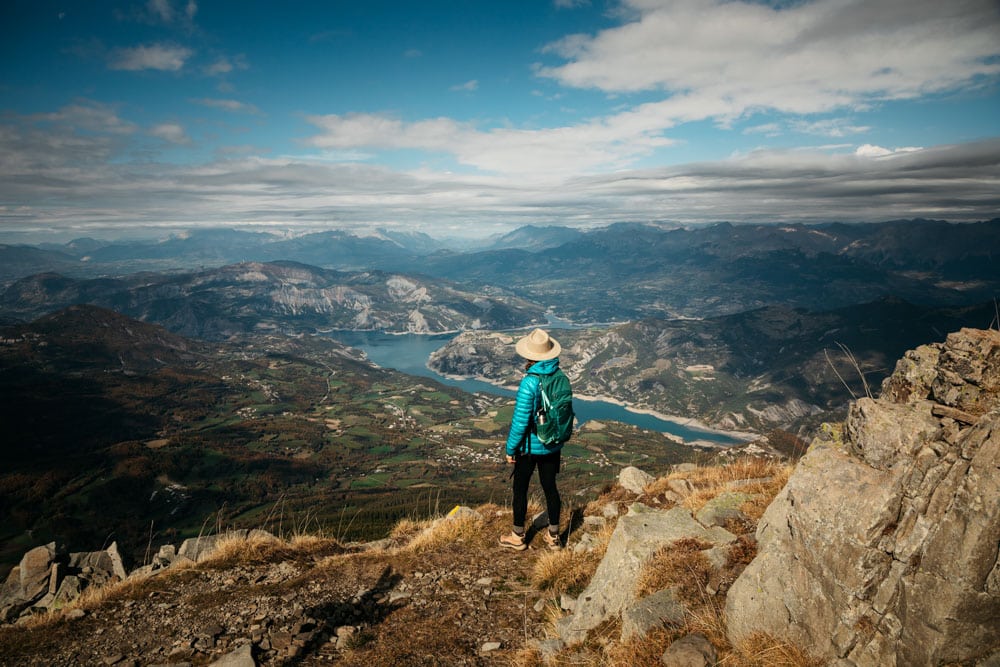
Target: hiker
column 524, row 449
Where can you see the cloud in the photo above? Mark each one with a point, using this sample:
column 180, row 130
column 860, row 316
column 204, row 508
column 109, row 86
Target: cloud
column 172, row 133
column 227, row 105
column 51, row 176
column 869, row 150
column 89, row 116
column 161, row 12
column 547, row 153
column 165, row 57
column 720, row 59
column 570, row 4
column 468, row 86
column 225, row 65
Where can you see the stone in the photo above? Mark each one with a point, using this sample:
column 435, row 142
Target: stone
column 69, row 590
column 35, row 569
column 636, row 537
column 567, row 602
column 241, row 657
column 610, row 510
column 634, row 480
column 690, row 651
column 463, row 512
column 895, row 529
column 489, row 647
column 653, row 611
column 724, row 507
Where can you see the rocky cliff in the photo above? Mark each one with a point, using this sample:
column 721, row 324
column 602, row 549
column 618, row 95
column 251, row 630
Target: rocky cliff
column 883, row 547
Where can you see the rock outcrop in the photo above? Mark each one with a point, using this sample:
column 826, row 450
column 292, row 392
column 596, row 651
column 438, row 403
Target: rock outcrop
column 612, row 590
column 48, row 577
column 883, row 547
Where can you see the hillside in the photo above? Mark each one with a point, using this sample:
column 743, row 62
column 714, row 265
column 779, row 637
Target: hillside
column 282, row 297
column 774, row 367
column 437, row 592
column 115, row 427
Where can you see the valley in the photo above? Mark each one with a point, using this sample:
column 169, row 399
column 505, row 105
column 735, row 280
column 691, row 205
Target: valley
column 152, row 391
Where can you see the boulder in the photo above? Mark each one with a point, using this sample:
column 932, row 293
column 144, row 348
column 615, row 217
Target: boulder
column 241, row 657
column 103, row 565
column 634, row 480
column 651, row 612
column 724, row 507
column 636, row 537
column 35, row 571
column 198, row 548
column 894, row 528
column 690, row 651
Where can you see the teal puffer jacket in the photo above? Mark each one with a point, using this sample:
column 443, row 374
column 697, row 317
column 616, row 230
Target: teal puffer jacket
column 528, row 399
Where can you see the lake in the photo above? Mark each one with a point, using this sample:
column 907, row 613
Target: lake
column 408, row 353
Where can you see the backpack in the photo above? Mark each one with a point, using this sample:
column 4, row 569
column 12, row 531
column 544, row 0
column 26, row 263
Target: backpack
column 553, row 420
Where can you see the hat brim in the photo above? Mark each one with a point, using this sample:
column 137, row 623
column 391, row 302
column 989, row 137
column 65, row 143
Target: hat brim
column 522, row 349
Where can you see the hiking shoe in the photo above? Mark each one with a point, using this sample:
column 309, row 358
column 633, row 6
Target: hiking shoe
column 513, row 541
column 552, row 541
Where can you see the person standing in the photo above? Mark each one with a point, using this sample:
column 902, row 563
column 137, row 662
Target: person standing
column 524, row 450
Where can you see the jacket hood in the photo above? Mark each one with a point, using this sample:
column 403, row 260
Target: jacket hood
column 546, row 367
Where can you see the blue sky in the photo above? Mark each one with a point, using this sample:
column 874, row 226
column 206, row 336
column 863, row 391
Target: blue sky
column 470, row 118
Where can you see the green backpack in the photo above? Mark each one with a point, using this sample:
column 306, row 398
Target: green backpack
column 554, row 418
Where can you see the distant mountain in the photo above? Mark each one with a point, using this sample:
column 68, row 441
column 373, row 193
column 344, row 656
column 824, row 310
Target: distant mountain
column 631, row 271
column 285, row 297
column 22, row 260
column 535, row 238
column 757, row 370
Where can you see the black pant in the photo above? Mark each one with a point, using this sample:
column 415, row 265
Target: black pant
column 548, row 466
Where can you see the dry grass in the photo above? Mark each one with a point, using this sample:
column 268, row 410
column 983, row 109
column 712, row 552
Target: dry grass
column 761, row 650
column 640, row 652
column 260, row 547
column 751, row 475
column 436, row 533
column 565, row 571
column 680, row 566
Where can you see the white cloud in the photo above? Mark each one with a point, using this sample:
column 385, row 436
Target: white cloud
column 171, row 133
column 720, row 58
column 468, row 86
column 870, row 150
column 834, row 127
column 90, row 116
column 570, row 4
column 161, row 9
column 548, row 153
column 227, row 105
column 225, row 65
column 165, row 57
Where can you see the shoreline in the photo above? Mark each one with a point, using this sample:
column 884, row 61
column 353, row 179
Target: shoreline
column 686, row 422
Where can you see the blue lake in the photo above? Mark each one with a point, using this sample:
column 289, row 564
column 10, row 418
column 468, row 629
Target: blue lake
column 409, row 353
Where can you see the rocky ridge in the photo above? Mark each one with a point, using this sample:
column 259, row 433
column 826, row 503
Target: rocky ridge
column 887, row 533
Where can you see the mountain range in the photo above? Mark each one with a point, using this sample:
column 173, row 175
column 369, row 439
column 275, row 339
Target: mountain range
column 284, row 296
column 620, row 272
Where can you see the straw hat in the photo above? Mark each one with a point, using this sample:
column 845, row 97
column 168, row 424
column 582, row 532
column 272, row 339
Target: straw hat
column 538, row 346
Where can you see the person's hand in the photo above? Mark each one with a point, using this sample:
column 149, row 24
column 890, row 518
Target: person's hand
column 510, row 459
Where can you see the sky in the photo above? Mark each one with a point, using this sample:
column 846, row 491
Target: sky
column 470, row 118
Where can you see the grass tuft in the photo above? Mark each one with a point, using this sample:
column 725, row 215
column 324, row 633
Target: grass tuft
column 680, row 566
column 565, row 571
